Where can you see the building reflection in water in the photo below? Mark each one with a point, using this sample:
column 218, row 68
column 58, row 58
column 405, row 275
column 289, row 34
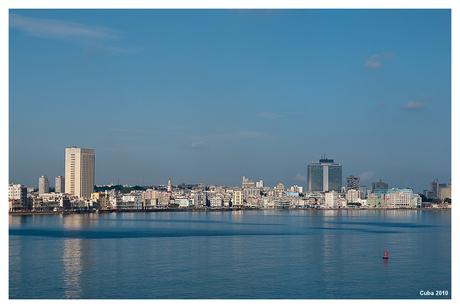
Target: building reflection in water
column 78, row 260
column 72, row 259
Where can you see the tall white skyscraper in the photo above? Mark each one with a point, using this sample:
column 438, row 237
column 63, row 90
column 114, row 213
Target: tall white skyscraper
column 79, row 171
column 59, row 184
column 43, row 185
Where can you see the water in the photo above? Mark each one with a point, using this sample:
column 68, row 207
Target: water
column 231, row 255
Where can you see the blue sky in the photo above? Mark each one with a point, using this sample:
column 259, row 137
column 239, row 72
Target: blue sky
column 210, row 96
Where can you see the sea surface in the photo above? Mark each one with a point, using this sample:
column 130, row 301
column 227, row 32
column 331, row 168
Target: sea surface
column 248, row 254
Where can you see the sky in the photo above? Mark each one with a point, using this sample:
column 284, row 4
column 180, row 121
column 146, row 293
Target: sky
column 210, row 96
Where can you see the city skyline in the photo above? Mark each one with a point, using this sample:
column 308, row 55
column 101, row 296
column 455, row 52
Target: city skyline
column 209, row 96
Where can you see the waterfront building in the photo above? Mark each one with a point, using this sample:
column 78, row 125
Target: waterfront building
column 416, row 202
column 18, row 193
column 102, row 199
column 374, row 201
column 59, row 184
column 79, row 171
column 352, row 183
column 406, row 191
column 398, row 199
column 353, row 196
column 133, row 200
column 216, row 202
column 378, row 185
column 43, row 185
column 331, row 199
column 324, row 175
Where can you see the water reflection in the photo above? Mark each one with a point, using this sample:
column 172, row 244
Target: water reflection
column 77, row 258
column 72, row 259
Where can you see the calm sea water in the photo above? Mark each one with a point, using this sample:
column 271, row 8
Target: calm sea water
column 231, row 255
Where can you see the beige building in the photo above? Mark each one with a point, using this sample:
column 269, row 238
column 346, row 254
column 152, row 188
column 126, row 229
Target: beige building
column 79, row 172
column 237, row 198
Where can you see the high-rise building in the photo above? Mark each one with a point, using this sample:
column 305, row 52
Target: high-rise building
column 379, row 185
column 352, row 183
column 79, row 172
column 43, row 185
column 59, row 184
column 324, row 175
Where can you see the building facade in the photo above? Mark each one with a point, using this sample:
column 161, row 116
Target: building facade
column 324, row 175
column 79, row 172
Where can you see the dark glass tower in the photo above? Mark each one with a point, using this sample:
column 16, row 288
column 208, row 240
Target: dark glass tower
column 324, row 175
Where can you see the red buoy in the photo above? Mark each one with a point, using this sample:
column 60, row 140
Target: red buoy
column 385, row 254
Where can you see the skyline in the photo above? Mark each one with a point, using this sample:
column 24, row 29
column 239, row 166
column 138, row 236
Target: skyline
column 210, row 96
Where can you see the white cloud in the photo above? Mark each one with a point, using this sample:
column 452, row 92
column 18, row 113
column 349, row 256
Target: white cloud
column 97, row 38
column 367, row 175
column 54, row 28
column 414, row 105
column 197, row 145
column 373, row 62
column 301, row 178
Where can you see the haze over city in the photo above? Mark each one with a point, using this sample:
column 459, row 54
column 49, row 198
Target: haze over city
column 210, row 96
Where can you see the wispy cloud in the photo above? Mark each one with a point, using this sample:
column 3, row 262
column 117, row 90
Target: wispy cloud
column 375, row 61
column 54, row 28
column 367, row 175
column 99, row 38
column 414, row 105
column 196, row 145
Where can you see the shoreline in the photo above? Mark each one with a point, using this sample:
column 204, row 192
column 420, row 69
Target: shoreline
column 219, row 210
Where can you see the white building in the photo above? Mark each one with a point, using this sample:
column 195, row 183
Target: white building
column 331, row 199
column 216, row 202
column 18, row 192
column 353, row 195
column 135, row 199
column 297, row 189
column 79, row 172
column 43, row 185
column 260, row 184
